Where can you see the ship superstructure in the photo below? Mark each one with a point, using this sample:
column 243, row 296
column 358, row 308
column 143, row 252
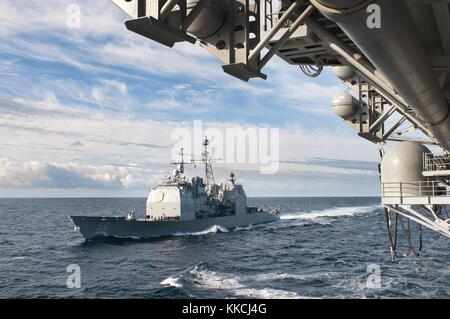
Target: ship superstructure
column 177, row 198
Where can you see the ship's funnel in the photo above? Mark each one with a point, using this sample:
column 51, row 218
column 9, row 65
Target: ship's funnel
column 397, row 51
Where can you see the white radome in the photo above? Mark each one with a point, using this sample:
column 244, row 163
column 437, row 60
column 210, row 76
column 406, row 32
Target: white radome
column 344, row 105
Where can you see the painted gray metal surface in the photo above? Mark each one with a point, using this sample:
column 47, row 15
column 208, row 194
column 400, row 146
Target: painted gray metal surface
column 94, row 226
column 396, row 50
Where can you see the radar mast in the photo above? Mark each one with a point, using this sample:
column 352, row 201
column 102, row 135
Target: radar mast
column 209, row 175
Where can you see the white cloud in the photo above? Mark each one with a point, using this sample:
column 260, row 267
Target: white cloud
column 165, row 104
column 112, row 93
column 82, row 133
column 52, row 17
column 136, row 179
column 36, row 174
column 117, row 152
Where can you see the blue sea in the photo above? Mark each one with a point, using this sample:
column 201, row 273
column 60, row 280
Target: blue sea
column 321, row 248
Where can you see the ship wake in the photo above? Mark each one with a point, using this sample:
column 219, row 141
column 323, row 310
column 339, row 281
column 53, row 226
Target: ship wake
column 211, row 230
column 325, row 215
column 202, row 279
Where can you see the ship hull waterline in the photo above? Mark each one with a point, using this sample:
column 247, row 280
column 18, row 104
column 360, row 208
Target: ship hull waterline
column 119, row 227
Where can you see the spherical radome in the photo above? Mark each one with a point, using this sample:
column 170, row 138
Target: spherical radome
column 344, row 105
column 343, row 72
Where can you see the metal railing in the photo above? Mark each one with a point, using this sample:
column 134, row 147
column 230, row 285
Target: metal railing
column 436, row 163
column 415, row 189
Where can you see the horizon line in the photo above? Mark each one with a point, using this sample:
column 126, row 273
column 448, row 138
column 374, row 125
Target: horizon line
column 136, row 197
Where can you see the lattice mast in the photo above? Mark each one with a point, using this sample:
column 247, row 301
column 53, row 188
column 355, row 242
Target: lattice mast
column 209, row 175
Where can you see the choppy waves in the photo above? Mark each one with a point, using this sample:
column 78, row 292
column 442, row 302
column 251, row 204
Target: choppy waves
column 172, row 282
column 320, row 248
column 203, row 281
column 233, row 285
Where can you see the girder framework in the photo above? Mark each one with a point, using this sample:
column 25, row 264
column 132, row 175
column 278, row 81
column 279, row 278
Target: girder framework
column 246, row 34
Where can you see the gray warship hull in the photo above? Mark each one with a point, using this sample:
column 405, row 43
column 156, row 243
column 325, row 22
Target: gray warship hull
column 119, row 227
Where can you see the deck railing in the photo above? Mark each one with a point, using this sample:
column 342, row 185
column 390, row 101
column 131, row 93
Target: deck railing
column 415, row 189
column 436, row 163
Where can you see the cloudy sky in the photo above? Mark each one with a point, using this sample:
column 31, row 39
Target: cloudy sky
column 91, row 111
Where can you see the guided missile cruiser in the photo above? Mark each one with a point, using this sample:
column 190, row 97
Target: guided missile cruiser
column 392, row 55
column 181, row 206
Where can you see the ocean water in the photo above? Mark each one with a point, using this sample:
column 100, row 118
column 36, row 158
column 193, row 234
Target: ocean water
column 321, row 248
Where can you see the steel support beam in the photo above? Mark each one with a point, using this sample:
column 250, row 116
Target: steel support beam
column 273, row 50
column 262, row 44
column 383, row 118
column 394, row 127
column 167, row 8
column 353, row 59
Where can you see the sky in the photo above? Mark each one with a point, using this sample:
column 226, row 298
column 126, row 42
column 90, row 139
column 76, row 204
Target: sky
column 92, row 111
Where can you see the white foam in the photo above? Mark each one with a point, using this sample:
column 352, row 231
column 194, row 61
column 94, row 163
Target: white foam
column 267, row 293
column 212, row 229
column 122, row 237
column 214, row 280
column 305, row 277
column 278, row 276
column 357, row 285
column 172, row 282
column 248, row 227
column 19, row 258
column 333, row 212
